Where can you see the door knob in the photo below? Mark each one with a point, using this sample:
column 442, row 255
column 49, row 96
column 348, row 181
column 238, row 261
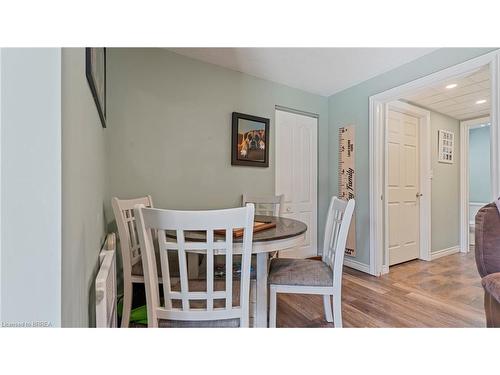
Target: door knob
column 419, row 195
column 289, row 209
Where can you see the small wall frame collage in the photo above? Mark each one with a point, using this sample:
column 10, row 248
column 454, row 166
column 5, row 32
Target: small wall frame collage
column 446, row 144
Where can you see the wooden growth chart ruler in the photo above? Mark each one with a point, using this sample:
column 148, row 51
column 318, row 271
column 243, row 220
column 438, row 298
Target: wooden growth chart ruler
column 347, row 178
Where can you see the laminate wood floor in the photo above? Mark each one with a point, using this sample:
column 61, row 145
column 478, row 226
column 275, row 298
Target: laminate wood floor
column 446, row 292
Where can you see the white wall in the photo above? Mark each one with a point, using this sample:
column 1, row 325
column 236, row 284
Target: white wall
column 445, row 186
column 30, row 186
column 0, row 185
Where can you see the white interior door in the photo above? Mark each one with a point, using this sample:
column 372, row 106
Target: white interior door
column 296, row 174
column 403, row 187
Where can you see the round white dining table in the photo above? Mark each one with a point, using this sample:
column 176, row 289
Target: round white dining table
column 287, row 234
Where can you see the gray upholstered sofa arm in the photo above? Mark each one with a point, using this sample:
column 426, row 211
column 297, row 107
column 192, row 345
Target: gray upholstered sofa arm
column 491, row 284
column 488, row 240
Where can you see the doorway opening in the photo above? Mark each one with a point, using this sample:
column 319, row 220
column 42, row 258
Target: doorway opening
column 476, row 182
column 419, row 204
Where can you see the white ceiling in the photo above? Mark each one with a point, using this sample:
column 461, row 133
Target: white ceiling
column 323, row 71
column 458, row 102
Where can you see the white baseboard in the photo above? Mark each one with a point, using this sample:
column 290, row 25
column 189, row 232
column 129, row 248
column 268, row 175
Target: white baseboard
column 445, row 252
column 351, row 263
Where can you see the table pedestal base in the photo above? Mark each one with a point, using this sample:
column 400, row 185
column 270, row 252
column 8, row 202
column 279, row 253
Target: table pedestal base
column 260, row 319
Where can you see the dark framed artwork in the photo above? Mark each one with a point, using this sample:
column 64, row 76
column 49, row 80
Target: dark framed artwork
column 95, row 70
column 250, row 140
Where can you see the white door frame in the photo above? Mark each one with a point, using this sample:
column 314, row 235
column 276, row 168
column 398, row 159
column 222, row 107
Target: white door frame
column 0, row 184
column 378, row 102
column 465, row 126
column 316, row 152
column 424, row 147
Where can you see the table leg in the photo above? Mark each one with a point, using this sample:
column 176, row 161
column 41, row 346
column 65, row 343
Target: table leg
column 261, row 292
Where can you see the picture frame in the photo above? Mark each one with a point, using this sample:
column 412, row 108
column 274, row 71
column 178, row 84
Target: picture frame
column 446, row 146
column 250, row 140
column 95, row 70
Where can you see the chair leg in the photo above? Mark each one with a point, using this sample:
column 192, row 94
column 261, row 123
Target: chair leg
column 337, row 310
column 127, row 304
column 153, row 323
column 328, row 308
column 272, row 307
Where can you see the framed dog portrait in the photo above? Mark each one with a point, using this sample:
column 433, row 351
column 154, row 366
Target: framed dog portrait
column 250, row 140
column 95, row 70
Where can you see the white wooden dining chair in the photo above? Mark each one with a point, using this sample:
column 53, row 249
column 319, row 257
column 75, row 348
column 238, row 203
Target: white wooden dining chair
column 130, row 249
column 270, row 205
column 184, row 307
column 307, row 276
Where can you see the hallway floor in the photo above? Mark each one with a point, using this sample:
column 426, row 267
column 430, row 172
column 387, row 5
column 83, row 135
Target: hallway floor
column 446, row 292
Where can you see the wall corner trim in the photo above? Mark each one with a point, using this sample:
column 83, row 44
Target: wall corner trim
column 444, row 252
column 352, row 263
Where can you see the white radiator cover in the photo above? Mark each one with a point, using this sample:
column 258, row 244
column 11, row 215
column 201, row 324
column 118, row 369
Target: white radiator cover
column 105, row 286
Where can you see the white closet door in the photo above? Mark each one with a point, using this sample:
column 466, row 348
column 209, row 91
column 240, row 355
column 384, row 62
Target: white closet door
column 296, row 174
column 403, row 187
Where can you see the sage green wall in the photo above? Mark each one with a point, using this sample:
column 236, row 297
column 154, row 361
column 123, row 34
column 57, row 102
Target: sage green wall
column 169, row 130
column 83, row 191
column 351, row 107
column 479, row 165
column 445, row 186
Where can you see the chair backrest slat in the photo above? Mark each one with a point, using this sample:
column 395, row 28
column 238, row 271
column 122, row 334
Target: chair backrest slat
column 336, row 230
column 183, row 269
column 168, row 222
column 270, row 205
column 210, row 270
column 229, row 269
column 165, row 268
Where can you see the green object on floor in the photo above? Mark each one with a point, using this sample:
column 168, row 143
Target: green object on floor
column 139, row 315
